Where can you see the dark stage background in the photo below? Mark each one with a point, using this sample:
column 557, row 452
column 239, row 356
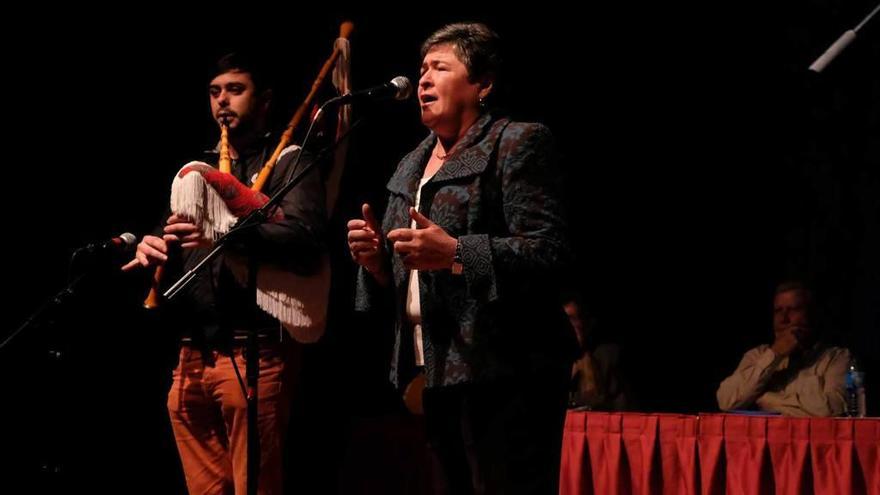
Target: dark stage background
column 704, row 163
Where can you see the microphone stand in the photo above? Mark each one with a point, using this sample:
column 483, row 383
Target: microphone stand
column 46, row 314
column 53, row 305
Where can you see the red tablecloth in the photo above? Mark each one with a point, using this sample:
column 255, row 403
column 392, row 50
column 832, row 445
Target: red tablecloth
column 621, row 453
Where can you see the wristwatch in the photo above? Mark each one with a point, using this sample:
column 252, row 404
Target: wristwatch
column 457, row 266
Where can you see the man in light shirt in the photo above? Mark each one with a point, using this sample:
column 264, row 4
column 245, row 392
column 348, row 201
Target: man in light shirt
column 797, row 375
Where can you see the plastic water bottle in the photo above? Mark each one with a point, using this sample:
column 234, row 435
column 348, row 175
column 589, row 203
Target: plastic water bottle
column 855, row 390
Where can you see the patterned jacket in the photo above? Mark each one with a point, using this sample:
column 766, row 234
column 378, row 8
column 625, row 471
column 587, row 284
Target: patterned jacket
column 500, row 194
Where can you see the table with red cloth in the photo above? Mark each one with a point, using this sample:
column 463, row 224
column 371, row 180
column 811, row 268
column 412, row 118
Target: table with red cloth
column 640, row 453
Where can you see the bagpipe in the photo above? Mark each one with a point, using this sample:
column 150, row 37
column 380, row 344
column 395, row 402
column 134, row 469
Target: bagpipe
column 214, row 200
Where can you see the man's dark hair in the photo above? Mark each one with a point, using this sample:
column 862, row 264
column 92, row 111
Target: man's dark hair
column 244, row 61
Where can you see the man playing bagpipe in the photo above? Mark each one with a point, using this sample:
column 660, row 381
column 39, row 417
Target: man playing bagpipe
column 207, row 401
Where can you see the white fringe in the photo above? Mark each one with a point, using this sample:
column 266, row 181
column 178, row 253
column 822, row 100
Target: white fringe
column 298, row 301
column 193, row 198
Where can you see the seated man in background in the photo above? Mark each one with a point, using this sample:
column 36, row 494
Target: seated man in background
column 798, row 375
column 597, row 381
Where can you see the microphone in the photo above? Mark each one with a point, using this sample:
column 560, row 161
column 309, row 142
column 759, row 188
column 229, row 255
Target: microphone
column 122, row 243
column 833, row 51
column 845, row 39
column 398, row 88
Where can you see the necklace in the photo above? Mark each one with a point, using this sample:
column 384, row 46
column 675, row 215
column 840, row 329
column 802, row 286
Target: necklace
column 441, row 156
